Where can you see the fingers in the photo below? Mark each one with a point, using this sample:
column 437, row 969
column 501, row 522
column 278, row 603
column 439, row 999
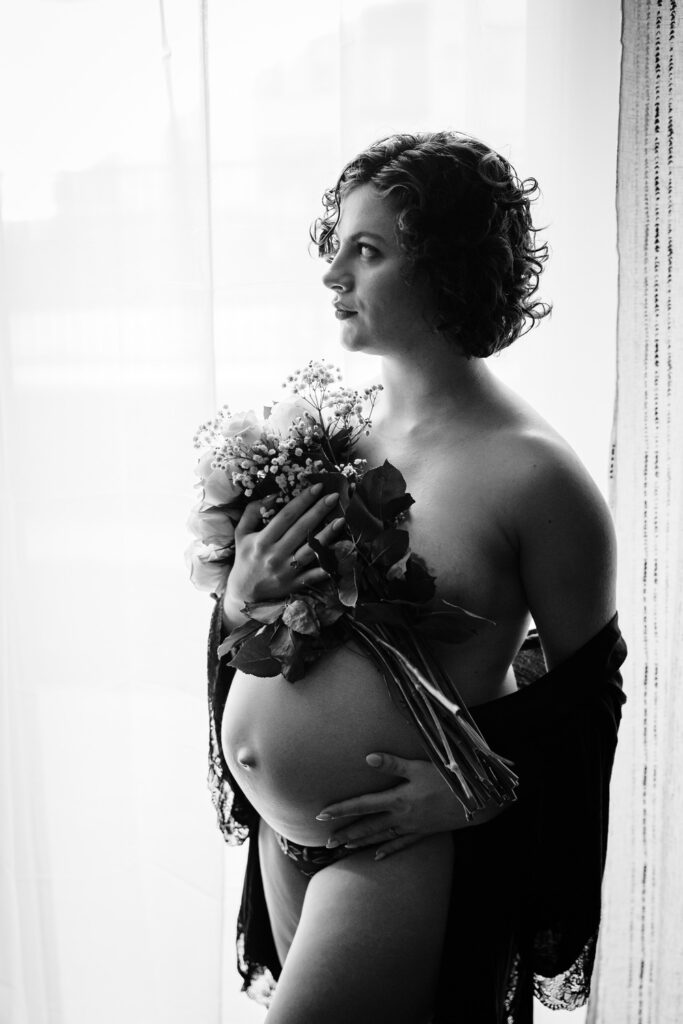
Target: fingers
column 305, row 555
column 251, row 520
column 370, row 803
column 377, row 830
column 390, row 764
column 291, row 512
column 386, row 849
column 373, row 803
column 311, row 577
column 308, row 522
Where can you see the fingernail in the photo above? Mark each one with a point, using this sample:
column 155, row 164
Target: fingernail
column 379, row 855
column 374, row 760
column 323, row 817
column 331, row 843
column 338, row 523
column 352, row 846
column 331, row 499
column 316, row 488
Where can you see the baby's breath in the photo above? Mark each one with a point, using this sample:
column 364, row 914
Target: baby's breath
column 321, row 440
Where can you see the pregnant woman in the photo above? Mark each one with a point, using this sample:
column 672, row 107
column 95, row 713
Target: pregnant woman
column 369, row 897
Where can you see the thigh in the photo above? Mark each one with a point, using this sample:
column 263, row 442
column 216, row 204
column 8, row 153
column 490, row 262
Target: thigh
column 284, row 887
column 368, row 944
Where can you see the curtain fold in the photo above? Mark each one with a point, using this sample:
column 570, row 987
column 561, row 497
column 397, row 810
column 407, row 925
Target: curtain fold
column 640, row 976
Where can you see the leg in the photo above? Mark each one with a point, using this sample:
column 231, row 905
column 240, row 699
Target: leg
column 284, row 887
column 368, row 944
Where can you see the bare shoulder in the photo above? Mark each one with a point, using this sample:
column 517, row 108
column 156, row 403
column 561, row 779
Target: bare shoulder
column 558, row 521
column 541, row 475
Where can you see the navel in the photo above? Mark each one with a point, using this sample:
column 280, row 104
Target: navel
column 246, row 758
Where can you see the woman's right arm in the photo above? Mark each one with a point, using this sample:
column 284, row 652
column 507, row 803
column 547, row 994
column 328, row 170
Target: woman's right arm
column 273, row 560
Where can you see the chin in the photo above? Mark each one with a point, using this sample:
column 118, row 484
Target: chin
column 356, row 341
column 352, row 343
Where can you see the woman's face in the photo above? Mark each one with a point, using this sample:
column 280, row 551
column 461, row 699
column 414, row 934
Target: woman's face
column 378, row 311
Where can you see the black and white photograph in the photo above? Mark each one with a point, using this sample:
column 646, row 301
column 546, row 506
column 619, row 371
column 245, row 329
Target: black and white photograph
column 341, row 512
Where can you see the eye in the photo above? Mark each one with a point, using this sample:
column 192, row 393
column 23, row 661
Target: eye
column 367, row 251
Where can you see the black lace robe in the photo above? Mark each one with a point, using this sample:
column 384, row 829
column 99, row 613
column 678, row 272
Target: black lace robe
column 525, row 908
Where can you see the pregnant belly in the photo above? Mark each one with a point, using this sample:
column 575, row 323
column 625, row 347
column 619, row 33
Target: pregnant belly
column 295, row 747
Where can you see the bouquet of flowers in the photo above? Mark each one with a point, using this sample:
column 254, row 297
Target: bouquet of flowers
column 376, row 591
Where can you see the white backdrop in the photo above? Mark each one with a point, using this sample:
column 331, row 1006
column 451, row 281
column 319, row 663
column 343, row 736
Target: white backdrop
column 160, row 163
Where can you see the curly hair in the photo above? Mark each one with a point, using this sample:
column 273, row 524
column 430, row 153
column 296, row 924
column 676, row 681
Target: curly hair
column 462, row 219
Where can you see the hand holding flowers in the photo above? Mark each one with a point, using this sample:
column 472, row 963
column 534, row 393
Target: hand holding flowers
column 272, row 461
column 272, row 561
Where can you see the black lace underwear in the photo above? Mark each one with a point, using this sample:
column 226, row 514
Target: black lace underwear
column 310, row 859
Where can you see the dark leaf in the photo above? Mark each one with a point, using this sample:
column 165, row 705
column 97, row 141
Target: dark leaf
column 348, row 589
column 345, row 555
column 295, row 666
column 380, row 486
column 347, row 558
column 254, row 657
column 340, row 445
column 333, row 483
column 300, row 616
column 360, row 520
column 389, row 547
column 325, row 555
column 396, row 506
column 265, row 611
column 419, row 582
column 328, row 614
column 397, row 571
column 282, row 644
column 328, row 607
column 237, row 636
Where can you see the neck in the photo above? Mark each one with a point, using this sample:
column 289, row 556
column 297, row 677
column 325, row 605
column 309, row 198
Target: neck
column 434, row 383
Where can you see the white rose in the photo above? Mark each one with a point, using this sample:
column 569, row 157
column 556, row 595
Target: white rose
column 219, row 488
column 203, row 468
column 211, row 526
column 209, row 567
column 243, row 425
column 283, row 415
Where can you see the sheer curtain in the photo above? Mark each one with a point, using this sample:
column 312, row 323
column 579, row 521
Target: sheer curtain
column 640, row 954
column 160, row 164
column 111, row 875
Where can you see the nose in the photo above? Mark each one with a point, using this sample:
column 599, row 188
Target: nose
column 337, row 276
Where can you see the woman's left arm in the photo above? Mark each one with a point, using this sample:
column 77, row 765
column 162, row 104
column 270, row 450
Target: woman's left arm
column 565, row 539
column 567, row 552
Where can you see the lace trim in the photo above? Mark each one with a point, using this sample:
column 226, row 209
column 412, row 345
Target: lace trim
column 259, row 983
column 231, row 818
column 569, row 990
column 234, row 832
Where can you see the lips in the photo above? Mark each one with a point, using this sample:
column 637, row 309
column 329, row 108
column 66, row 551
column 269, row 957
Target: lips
column 342, row 313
